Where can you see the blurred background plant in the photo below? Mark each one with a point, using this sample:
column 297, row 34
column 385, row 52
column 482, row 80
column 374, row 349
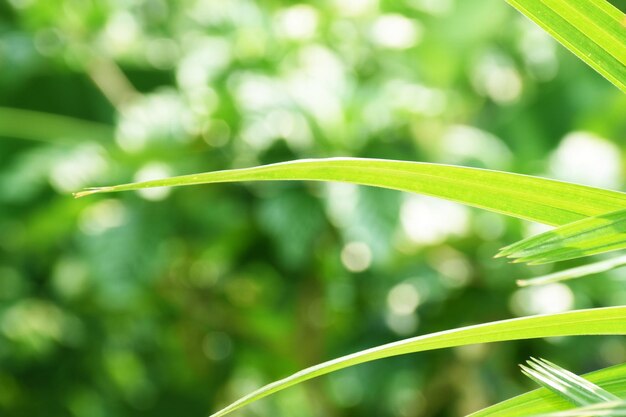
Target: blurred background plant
column 157, row 303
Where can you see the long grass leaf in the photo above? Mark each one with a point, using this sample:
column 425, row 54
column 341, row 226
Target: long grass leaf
column 590, row 236
column 604, row 321
column 573, row 273
column 543, row 401
column 532, row 198
column 594, row 30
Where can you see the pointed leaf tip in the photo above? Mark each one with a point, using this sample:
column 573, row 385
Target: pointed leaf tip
column 90, row 191
column 506, row 251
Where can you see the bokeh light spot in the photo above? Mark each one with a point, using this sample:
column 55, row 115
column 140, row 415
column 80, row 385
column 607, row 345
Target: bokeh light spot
column 356, row 256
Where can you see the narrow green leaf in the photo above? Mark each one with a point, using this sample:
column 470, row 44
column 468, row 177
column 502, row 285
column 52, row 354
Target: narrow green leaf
column 594, row 30
column 590, row 236
column 599, row 321
column 570, row 386
column 573, row 273
column 542, row 401
column 607, row 409
column 532, row 198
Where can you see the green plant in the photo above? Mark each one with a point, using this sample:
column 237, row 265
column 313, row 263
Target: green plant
column 590, row 219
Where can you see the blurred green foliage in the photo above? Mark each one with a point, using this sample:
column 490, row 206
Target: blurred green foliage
column 162, row 303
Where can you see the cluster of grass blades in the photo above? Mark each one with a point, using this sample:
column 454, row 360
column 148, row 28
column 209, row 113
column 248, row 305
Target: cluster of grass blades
column 545, row 400
column 590, row 236
column 568, row 385
column 539, row 199
column 591, row 399
column 590, row 219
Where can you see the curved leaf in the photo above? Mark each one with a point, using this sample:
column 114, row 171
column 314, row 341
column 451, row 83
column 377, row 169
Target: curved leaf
column 532, row 198
column 604, row 321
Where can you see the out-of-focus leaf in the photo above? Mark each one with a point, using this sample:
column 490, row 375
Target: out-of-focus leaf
column 610, row 320
column 532, row 198
column 573, row 273
column 33, row 125
column 543, row 401
column 592, row 29
column 596, row 234
column 570, row 386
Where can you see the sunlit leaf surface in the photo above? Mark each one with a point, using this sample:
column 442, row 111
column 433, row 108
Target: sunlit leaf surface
column 593, row 29
column 607, row 409
column 532, row 198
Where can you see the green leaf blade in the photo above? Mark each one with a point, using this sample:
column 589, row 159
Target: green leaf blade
column 593, row 30
column 601, row 321
column 531, row 198
column 574, row 273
